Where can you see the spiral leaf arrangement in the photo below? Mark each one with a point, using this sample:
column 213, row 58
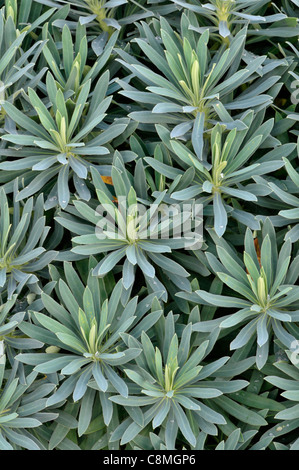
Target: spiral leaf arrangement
column 149, row 225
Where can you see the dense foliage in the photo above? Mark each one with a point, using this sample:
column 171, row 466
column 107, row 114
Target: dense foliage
column 117, row 120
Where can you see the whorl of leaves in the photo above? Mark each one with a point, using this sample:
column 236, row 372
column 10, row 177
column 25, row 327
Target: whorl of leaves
column 109, row 338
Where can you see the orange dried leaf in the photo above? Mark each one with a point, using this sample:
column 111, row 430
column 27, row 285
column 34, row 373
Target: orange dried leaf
column 258, row 252
column 107, row 179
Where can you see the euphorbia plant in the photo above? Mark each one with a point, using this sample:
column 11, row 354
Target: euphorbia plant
column 224, row 17
column 177, row 392
column 75, row 71
column 193, row 89
column 83, row 335
column 60, row 148
column 220, row 178
column 22, row 240
column 286, row 192
column 16, row 65
column 16, row 417
column 267, row 295
column 128, row 232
